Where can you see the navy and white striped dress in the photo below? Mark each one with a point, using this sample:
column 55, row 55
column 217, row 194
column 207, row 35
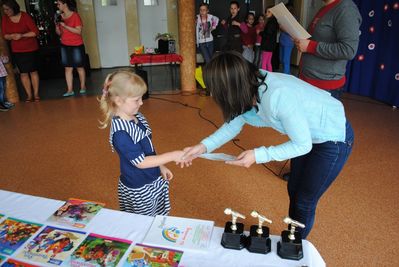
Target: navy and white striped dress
column 140, row 191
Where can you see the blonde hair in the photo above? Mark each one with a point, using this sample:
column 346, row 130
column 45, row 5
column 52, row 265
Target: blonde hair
column 121, row 83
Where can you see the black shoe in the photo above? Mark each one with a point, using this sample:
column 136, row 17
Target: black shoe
column 286, row 176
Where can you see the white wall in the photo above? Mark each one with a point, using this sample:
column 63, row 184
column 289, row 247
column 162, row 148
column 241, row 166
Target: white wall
column 152, row 20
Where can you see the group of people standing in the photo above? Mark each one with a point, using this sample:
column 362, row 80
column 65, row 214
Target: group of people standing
column 255, row 38
column 20, row 30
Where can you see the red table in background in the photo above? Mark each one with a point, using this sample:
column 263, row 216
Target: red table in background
column 158, row 59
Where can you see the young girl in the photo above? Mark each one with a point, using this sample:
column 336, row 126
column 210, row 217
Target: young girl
column 258, row 28
column 206, row 23
column 248, row 37
column 144, row 181
column 269, row 40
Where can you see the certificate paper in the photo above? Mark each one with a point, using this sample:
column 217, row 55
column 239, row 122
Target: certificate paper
column 288, row 22
column 218, row 156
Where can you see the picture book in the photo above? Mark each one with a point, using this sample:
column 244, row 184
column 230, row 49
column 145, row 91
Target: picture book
column 52, row 245
column 2, row 259
column 15, row 263
column 146, row 256
column 179, row 233
column 97, row 250
column 14, row 232
column 76, row 212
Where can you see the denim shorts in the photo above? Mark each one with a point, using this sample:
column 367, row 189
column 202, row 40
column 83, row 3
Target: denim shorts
column 73, row 56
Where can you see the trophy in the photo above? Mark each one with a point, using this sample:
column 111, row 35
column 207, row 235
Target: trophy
column 290, row 246
column 258, row 240
column 233, row 236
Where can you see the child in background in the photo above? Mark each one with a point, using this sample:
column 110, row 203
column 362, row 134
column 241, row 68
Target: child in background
column 258, row 28
column 144, row 181
column 232, row 29
column 4, row 104
column 269, row 39
column 248, row 37
column 206, row 23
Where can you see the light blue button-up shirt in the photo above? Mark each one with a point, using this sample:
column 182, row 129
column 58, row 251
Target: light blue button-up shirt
column 307, row 114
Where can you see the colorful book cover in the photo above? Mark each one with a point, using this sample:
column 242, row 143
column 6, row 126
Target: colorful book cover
column 52, row 245
column 14, row 232
column 15, row 263
column 97, row 250
column 146, row 256
column 76, row 212
column 2, row 216
column 2, row 258
column 179, row 233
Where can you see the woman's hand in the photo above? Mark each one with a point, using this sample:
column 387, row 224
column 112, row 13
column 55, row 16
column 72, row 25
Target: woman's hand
column 245, row 159
column 191, row 153
column 166, row 173
column 302, row 44
column 16, row 36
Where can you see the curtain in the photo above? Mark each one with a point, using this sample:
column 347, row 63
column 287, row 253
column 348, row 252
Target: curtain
column 374, row 72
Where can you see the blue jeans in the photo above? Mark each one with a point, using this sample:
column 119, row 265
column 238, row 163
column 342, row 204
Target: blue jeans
column 312, row 174
column 3, row 90
column 285, row 57
column 206, row 50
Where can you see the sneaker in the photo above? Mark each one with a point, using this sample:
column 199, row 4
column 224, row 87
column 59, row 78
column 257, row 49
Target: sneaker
column 82, row 91
column 3, row 108
column 8, row 105
column 69, row 94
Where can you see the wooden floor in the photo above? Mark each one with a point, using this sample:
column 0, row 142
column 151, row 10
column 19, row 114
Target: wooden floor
column 55, row 149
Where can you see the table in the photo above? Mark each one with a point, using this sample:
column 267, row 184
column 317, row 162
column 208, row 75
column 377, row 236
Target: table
column 134, row 227
column 158, row 59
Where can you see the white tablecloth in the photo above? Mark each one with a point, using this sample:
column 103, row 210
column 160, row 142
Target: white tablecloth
column 134, row 227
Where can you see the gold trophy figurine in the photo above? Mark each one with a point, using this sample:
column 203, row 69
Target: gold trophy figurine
column 234, row 215
column 259, row 240
column 233, row 236
column 290, row 246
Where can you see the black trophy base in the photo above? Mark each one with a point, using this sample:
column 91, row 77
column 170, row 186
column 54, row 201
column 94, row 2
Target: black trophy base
column 234, row 239
column 290, row 249
column 259, row 243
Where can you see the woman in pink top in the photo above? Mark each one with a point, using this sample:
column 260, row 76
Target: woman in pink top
column 72, row 47
column 20, row 29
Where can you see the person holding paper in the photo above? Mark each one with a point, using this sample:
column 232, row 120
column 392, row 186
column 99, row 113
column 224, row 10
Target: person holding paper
column 334, row 41
column 320, row 136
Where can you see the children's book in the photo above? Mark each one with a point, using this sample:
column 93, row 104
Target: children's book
column 52, row 246
column 15, row 263
column 14, row 232
column 97, row 250
column 179, row 233
column 146, row 256
column 2, row 259
column 76, row 212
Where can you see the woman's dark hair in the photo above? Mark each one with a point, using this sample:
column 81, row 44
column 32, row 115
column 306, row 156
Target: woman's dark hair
column 70, row 3
column 13, row 5
column 233, row 83
column 235, row 3
column 204, row 4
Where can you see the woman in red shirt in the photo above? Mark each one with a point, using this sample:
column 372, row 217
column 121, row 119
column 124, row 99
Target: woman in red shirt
column 72, row 47
column 20, row 29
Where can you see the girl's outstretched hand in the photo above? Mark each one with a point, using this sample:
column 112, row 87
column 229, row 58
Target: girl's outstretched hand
column 191, row 153
column 166, row 173
column 245, row 159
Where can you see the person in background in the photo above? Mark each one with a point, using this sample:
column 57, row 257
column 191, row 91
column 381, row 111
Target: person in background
column 269, row 39
column 232, row 29
column 4, row 104
column 72, row 47
column 19, row 28
column 205, row 24
column 286, row 45
column 248, row 37
column 144, row 180
column 334, row 41
column 257, row 51
column 318, row 151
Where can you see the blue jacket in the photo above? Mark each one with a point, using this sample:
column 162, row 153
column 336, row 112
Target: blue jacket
column 293, row 107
